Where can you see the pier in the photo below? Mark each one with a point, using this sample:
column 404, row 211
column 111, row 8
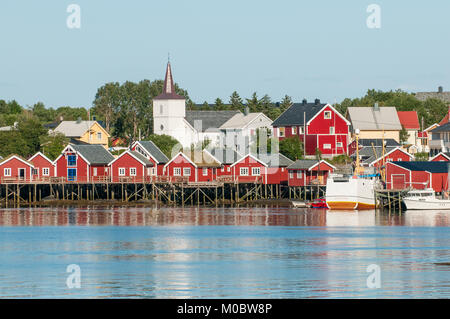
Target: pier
column 164, row 190
column 391, row 199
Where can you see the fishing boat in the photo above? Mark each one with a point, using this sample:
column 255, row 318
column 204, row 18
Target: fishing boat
column 425, row 200
column 319, row 203
column 352, row 192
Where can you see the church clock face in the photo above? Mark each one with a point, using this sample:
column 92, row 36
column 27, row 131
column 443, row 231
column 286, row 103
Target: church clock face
column 162, row 127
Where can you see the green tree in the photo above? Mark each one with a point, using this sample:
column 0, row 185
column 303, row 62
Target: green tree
column 31, row 129
column 106, row 103
column 53, row 144
column 236, row 102
column 421, row 157
column 167, row 144
column 404, row 135
column 292, row 148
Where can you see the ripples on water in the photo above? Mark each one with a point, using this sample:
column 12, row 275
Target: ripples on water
column 222, row 253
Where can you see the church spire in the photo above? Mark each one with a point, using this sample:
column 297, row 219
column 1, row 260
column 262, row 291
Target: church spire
column 169, row 87
column 168, row 82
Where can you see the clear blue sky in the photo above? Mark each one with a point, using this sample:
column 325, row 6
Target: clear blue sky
column 305, row 49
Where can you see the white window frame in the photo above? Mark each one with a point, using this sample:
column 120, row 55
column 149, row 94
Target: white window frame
column 243, row 171
column 339, row 144
column 291, row 175
column 45, row 171
column 133, row 171
column 99, row 135
column 294, row 130
column 332, row 130
column 122, row 171
column 282, row 129
column 153, row 171
column 327, row 115
column 187, row 171
column 256, row 171
column 177, row 171
column 302, row 130
column 205, row 171
column 299, row 174
column 228, row 169
column 327, row 146
column 94, row 171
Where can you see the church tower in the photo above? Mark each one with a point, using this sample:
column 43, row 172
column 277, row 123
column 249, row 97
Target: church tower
column 169, row 110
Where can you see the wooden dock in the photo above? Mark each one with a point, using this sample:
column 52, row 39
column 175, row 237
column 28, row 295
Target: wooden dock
column 165, row 191
column 391, row 199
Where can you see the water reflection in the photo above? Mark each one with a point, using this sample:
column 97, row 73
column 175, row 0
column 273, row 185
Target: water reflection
column 247, row 216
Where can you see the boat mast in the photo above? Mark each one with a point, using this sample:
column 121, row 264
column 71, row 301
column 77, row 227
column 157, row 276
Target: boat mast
column 357, row 165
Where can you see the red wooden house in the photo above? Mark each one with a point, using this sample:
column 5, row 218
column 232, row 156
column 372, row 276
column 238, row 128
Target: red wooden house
column 131, row 166
column 153, row 154
column 418, row 175
column 319, row 126
column 83, row 163
column 441, row 157
column 226, row 157
column 395, row 155
column 309, row 172
column 14, row 168
column 192, row 166
column 268, row 169
column 44, row 168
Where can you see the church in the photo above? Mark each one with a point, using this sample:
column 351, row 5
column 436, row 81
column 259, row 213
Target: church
column 228, row 129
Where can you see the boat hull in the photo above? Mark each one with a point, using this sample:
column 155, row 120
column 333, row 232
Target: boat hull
column 435, row 204
column 349, row 206
column 350, row 194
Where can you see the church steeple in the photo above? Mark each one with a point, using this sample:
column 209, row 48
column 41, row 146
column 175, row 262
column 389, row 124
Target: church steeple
column 169, row 87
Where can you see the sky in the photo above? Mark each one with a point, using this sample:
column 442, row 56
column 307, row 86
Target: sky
column 305, row 49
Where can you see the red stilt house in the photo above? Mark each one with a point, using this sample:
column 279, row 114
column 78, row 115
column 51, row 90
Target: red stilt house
column 319, row 125
column 226, row 157
column 418, row 175
column 131, row 166
column 44, row 168
column 153, row 154
column 15, row 169
column 83, row 163
column 309, row 172
column 395, row 155
column 193, row 166
column 268, row 169
column 441, row 157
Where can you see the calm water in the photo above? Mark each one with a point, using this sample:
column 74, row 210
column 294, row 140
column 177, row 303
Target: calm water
column 222, row 253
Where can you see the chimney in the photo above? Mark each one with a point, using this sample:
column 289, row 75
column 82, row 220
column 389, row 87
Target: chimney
column 246, row 110
column 376, row 107
column 78, row 120
column 440, row 89
column 304, row 102
column 316, row 102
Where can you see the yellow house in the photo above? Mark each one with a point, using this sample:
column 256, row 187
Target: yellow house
column 89, row 132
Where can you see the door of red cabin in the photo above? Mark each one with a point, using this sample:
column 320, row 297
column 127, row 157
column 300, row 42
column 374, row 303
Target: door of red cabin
column 21, row 174
column 398, row 181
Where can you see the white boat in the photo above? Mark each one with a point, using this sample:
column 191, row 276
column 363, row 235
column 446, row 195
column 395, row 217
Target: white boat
column 425, row 200
column 297, row 204
column 350, row 192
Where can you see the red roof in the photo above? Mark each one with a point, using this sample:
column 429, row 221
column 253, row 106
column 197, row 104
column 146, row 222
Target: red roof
column 409, row 120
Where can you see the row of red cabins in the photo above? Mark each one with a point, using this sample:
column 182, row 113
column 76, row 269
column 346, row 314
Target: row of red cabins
column 145, row 162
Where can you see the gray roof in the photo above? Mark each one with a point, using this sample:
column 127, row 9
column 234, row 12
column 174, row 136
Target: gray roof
column 442, row 128
column 142, row 158
column 368, row 156
column 274, row 160
column 240, row 120
column 225, row 156
column 74, row 128
column 378, row 142
column 371, row 119
column 303, row 164
column 94, row 154
column 294, row 115
column 154, row 151
column 210, row 120
column 443, row 96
